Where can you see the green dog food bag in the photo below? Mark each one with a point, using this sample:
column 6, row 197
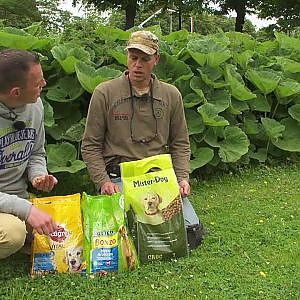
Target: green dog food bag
column 107, row 245
column 154, row 208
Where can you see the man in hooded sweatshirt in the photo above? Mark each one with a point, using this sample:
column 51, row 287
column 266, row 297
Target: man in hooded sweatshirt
column 22, row 153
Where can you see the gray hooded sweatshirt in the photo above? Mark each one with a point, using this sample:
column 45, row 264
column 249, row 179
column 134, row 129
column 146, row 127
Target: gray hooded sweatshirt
column 22, row 157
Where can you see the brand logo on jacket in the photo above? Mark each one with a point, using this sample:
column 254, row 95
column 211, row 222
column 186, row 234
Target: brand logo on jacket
column 16, row 147
column 120, row 116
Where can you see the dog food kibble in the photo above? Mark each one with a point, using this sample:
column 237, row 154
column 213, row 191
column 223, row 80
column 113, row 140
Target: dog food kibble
column 172, row 209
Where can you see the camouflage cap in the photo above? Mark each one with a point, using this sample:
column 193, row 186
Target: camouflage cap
column 145, row 41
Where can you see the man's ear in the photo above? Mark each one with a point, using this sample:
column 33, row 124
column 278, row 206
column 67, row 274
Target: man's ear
column 15, row 92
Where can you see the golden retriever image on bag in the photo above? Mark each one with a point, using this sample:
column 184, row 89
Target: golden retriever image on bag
column 127, row 251
column 151, row 203
column 74, row 259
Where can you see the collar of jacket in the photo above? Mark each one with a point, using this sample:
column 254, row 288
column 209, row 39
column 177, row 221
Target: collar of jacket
column 156, row 85
column 5, row 110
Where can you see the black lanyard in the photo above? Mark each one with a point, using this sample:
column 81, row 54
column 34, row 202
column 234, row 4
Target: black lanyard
column 12, row 116
column 147, row 139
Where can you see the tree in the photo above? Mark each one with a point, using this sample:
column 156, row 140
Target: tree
column 183, row 8
column 19, row 13
column 132, row 7
column 54, row 19
column 129, row 6
column 241, row 7
column 287, row 12
column 204, row 23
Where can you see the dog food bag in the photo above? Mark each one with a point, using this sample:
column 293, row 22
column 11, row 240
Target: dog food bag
column 62, row 250
column 154, row 208
column 107, row 246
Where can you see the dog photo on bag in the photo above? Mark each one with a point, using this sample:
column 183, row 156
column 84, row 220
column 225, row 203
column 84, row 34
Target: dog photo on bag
column 74, row 258
column 152, row 210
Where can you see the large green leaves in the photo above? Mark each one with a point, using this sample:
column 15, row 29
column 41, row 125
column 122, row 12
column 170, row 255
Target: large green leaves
column 212, row 77
column 67, row 89
column 110, row 34
column 260, row 155
column 75, row 132
column 89, row 78
column 202, row 156
column 231, row 141
column 192, row 100
column 290, row 140
column 175, row 36
column 243, row 59
column 237, row 107
column 260, row 103
column 219, row 98
column 68, row 55
column 294, row 112
column 265, row 81
column 250, row 126
column 48, row 114
column 240, row 83
column 289, row 44
column 234, row 145
column 209, row 113
column 240, row 41
column 197, row 85
column 18, row 39
column 287, row 87
column 64, row 119
column 62, row 158
column 272, row 127
column 268, row 48
column 119, row 56
column 177, row 41
column 210, row 49
column 171, row 69
column 288, row 65
column 237, row 86
column 194, row 121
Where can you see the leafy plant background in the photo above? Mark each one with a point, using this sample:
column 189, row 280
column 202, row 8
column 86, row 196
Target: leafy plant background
column 241, row 95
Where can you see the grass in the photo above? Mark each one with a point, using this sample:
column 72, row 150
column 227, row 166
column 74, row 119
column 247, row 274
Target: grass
column 251, row 250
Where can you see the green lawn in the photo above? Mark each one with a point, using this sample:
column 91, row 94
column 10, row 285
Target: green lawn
column 251, row 250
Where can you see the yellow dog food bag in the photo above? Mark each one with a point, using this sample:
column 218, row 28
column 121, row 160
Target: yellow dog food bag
column 154, row 208
column 61, row 251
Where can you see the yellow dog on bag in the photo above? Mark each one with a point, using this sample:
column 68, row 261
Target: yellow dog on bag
column 62, row 250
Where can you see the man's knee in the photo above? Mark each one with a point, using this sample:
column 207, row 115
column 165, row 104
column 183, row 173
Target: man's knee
column 12, row 234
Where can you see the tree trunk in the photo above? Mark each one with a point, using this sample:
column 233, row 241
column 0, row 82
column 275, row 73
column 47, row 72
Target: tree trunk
column 179, row 15
column 240, row 16
column 130, row 13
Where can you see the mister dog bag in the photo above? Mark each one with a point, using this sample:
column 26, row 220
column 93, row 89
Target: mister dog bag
column 154, row 208
column 61, row 251
column 107, row 246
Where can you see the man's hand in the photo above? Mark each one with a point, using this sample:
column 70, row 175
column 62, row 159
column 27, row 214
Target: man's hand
column 44, row 183
column 109, row 188
column 185, row 188
column 41, row 221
